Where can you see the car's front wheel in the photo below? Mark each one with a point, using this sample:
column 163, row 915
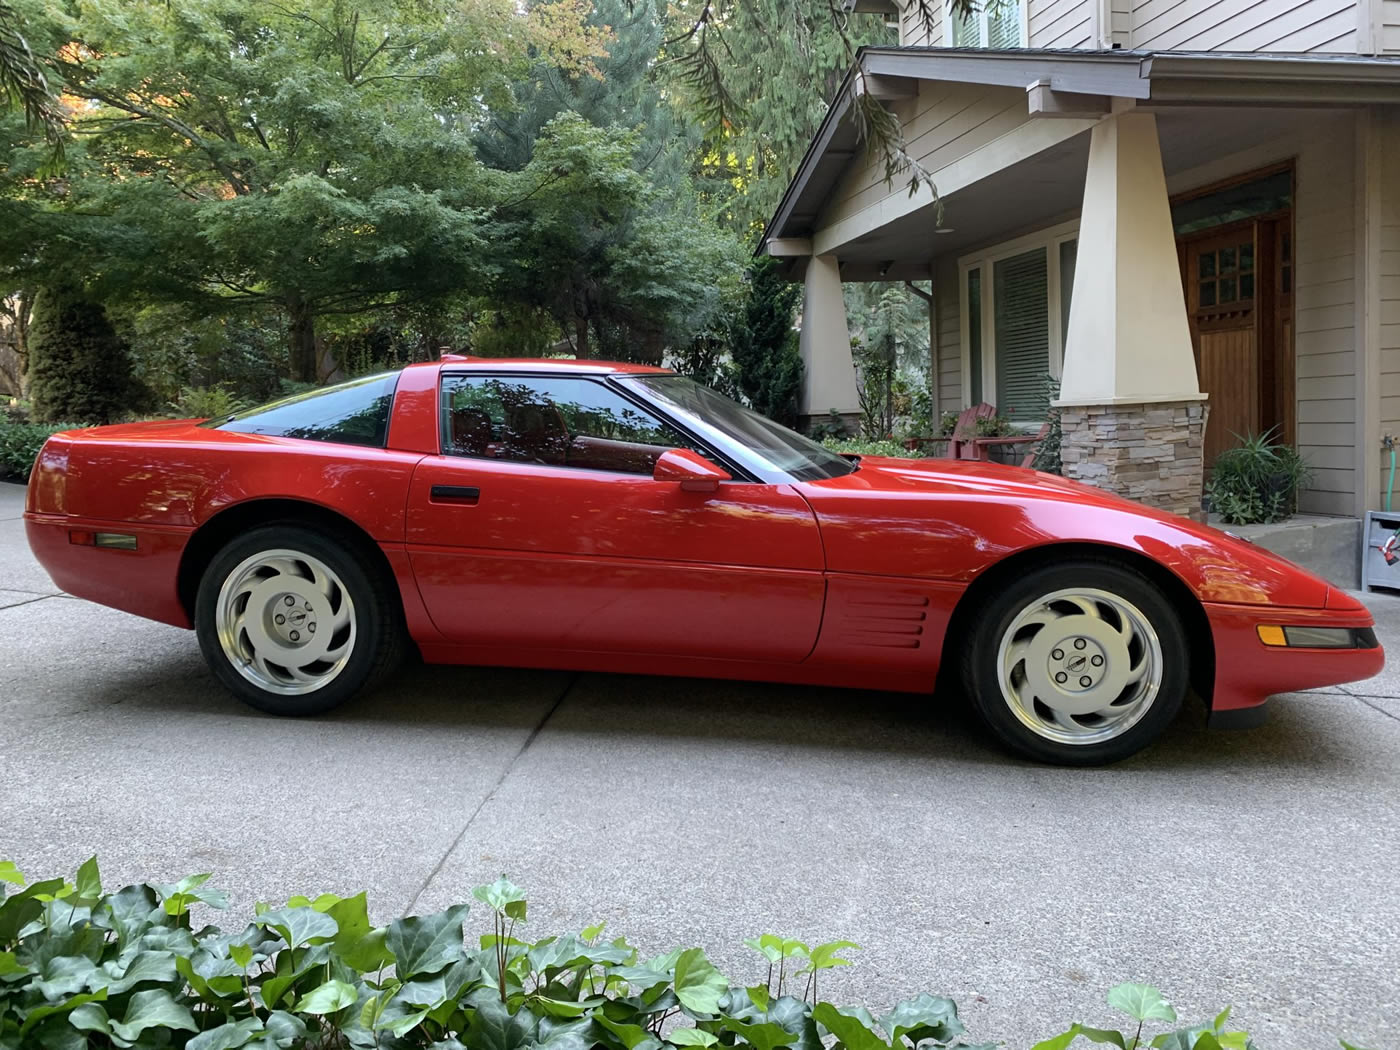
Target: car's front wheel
column 1079, row 663
column 292, row 623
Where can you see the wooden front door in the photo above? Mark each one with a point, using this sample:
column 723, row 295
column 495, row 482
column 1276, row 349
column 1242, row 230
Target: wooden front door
column 1222, row 299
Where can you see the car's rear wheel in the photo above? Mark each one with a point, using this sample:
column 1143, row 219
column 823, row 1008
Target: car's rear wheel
column 292, row 623
column 1079, row 663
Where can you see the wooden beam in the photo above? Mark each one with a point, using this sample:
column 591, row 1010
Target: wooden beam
column 1045, row 101
column 786, row 247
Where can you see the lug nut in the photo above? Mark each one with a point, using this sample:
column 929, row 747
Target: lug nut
column 1097, row 661
column 1086, row 681
column 280, row 618
column 1061, row 678
column 296, row 636
column 311, row 627
column 1079, row 643
column 1057, row 654
column 290, row 600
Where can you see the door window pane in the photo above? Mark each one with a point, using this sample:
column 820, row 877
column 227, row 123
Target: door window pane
column 1227, row 289
column 552, row 420
column 1206, row 264
column 1247, row 286
column 1021, row 311
column 1227, row 260
column 1246, row 257
column 1207, row 297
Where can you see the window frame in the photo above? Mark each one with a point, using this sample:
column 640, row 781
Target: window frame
column 984, row 23
column 1048, row 240
column 736, row 472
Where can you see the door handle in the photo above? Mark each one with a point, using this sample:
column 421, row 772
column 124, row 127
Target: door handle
column 467, row 494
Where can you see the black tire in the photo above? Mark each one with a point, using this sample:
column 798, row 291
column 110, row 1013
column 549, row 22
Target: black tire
column 995, row 615
column 378, row 639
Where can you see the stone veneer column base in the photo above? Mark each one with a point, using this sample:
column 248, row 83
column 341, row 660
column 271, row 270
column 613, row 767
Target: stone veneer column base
column 1153, row 453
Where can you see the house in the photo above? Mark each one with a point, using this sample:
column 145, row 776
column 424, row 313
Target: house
column 1188, row 211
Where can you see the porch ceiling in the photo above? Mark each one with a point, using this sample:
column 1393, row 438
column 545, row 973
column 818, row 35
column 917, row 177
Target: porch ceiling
column 1044, row 189
column 1208, row 104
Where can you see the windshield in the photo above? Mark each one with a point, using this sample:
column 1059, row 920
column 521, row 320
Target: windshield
column 711, row 414
column 353, row 413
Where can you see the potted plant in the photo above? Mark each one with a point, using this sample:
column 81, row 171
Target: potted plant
column 1257, row 481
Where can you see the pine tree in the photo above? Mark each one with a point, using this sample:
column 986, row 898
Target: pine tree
column 762, row 342
column 79, row 368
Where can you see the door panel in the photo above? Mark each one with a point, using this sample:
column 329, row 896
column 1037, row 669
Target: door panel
column 583, row 559
column 1221, row 291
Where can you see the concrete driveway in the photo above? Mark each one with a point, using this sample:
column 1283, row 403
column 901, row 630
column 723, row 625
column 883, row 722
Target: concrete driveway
column 1256, row 868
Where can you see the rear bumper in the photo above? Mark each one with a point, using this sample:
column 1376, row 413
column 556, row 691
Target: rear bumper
column 141, row 581
column 1248, row 672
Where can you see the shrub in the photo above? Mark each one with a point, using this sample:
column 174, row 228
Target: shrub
column 207, row 402
column 763, row 345
column 20, row 444
column 78, row 367
column 132, row 969
column 864, row 447
column 1257, row 481
column 1047, row 453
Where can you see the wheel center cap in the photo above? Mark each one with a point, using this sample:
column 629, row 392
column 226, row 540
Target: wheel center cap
column 1077, row 663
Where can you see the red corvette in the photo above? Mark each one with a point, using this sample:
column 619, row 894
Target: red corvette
column 619, row 518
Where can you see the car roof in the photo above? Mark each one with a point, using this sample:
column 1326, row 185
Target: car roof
column 464, row 363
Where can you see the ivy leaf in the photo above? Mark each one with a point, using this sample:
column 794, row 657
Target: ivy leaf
column 631, row 1036
column 177, row 897
column 1098, row 1035
column 229, row 1036
column 11, row 874
column 760, row 996
column 284, row 1029
column 775, row 949
column 824, row 957
column 643, row 977
column 153, row 1008
column 1349, row 1046
column 146, row 968
column 698, row 984
column 242, row 954
column 850, row 1031
column 691, row 1037
column 1141, row 1002
column 765, row 1036
column 8, row 965
column 128, row 913
column 503, row 896
column 565, row 1035
column 22, row 908
column 495, row 1028
column 427, row 943
column 328, row 998
column 89, row 881
column 926, row 1017
column 299, row 926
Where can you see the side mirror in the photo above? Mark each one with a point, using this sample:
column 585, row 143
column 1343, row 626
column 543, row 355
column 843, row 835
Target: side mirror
column 695, row 473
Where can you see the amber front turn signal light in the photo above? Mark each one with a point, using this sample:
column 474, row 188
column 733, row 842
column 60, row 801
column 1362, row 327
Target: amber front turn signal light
column 1271, row 635
column 1298, row 637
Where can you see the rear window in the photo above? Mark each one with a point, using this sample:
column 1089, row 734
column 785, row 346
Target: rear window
column 353, row 413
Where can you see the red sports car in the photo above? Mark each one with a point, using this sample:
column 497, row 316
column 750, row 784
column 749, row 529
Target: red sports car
column 620, row 518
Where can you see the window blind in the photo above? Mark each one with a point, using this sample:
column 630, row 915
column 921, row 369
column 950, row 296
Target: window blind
column 1022, row 338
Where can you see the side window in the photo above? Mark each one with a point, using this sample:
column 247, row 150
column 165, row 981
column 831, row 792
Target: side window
column 559, row 421
column 353, row 413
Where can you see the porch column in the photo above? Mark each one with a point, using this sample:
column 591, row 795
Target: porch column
column 1132, row 412
column 828, row 373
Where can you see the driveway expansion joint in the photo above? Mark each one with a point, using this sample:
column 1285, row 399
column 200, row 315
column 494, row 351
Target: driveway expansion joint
column 496, row 787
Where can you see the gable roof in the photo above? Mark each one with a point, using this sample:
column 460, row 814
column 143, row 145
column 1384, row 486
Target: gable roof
column 1157, row 77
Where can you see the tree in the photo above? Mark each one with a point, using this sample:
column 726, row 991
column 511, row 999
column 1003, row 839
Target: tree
column 79, row 370
column 763, row 344
column 23, row 84
column 314, row 156
column 624, row 266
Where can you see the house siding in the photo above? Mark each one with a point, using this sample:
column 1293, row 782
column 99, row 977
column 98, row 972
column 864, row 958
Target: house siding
column 1060, row 23
column 948, row 322
column 1244, row 25
column 1388, row 30
column 942, row 124
column 913, row 31
column 1388, row 262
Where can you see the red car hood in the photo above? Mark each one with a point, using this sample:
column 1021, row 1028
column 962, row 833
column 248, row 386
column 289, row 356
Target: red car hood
column 950, row 519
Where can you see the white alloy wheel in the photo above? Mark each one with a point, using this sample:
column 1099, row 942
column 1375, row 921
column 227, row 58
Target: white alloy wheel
column 285, row 621
column 1080, row 666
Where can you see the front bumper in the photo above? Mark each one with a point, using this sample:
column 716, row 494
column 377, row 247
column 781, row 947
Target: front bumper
column 1248, row 672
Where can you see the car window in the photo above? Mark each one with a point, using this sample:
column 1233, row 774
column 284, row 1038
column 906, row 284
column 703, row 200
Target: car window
column 555, row 420
column 353, row 413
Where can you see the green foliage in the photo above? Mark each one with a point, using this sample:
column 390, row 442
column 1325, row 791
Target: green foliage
column 1047, row 453
column 78, row 366
column 993, row 426
column 1257, row 481
column 889, row 345
column 867, row 447
column 763, row 344
column 207, row 402
column 19, row 446
column 1144, row 1003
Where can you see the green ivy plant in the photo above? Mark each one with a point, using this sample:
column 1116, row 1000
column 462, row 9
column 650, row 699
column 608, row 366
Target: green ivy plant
column 20, row 444
column 83, row 968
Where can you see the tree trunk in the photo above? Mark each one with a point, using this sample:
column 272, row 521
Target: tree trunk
column 581, row 336
column 302, row 334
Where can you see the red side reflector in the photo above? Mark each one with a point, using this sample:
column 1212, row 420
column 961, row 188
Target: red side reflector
column 80, row 537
